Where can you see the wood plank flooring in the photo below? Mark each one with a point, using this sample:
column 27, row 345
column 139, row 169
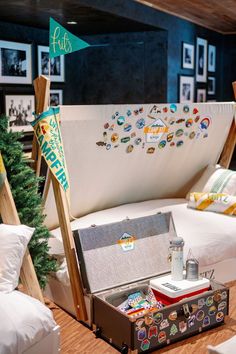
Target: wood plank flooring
column 77, row 339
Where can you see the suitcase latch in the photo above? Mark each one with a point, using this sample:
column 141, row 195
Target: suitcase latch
column 187, row 310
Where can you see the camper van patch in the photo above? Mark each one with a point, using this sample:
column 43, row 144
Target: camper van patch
column 161, row 126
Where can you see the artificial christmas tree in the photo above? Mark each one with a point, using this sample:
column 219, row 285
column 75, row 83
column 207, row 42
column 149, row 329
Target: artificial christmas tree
column 24, row 185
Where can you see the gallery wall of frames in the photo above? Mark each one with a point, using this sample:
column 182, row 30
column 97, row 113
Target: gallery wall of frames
column 200, row 58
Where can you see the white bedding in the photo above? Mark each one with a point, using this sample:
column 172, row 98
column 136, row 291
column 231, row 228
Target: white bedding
column 24, row 321
column 211, row 236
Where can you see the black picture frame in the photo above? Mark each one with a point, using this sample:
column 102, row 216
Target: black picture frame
column 188, row 61
column 201, row 59
column 186, row 88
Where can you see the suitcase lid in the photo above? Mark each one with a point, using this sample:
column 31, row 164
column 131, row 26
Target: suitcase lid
column 122, row 252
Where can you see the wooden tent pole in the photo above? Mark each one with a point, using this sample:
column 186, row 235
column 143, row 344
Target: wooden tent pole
column 10, row 216
column 230, row 144
column 42, row 85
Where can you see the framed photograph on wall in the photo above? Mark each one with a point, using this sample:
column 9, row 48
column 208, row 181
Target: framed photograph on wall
column 55, row 65
column 15, row 63
column 186, row 89
column 211, row 88
column 187, row 56
column 201, row 95
column 211, row 58
column 19, row 109
column 201, row 60
column 56, row 97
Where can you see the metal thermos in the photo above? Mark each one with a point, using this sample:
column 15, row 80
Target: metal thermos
column 192, row 269
column 177, row 265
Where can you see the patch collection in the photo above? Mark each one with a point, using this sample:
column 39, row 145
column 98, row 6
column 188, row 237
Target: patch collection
column 159, row 128
column 161, row 326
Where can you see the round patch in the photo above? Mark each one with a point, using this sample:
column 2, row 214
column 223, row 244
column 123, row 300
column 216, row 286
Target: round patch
column 209, row 301
column 140, row 123
column 108, row 146
column 179, row 143
column 114, row 138
column 172, row 144
column 111, row 127
column 179, row 132
column 162, row 337
column 196, row 119
column 170, row 137
column 150, row 150
column 120, row 120
column 217, row 297
column 181, row 120
column 206, row 321
column 186, row 109
column 192, row 135
column 128, row 112
column 162, row 144
column 189, row 122
column 158, row 316
column 165, row 109
column 195, row 110
column 222, row 306
column 130, row 148
column 212, row 310
column 148, row 320
column 133, row 135
column 204, row 124
column 106, row 125
column 137, row 141
column 200, row 315
column 125, row 139
column 173, row 108
column 173, row 316
column 219, row 316
column 127, row 127
column 194, row 308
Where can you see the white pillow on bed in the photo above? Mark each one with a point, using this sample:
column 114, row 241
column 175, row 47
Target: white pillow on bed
column 13, row 243
column 215, row 179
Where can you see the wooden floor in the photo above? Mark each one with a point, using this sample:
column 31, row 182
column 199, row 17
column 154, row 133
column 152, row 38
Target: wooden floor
column 77, row 339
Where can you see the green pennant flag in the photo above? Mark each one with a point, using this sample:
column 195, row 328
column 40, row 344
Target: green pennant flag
column 61, row 41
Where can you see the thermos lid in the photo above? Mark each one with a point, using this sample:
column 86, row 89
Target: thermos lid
column 177, row 242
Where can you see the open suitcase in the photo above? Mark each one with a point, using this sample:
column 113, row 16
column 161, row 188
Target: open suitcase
column 119, row 259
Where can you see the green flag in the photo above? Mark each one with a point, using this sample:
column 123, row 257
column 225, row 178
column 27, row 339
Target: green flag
column 63, row 42
column 2, row 171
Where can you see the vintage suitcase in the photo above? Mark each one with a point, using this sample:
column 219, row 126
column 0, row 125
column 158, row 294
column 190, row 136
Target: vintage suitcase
column 119, row 259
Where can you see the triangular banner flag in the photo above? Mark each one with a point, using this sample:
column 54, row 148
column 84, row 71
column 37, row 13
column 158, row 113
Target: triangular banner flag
column 63, row 42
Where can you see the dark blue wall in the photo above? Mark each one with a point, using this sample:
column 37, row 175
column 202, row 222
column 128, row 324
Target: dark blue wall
column 179, row 30
column 127, row 71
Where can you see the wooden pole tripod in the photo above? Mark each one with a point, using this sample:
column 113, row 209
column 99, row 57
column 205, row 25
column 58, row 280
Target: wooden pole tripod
column 42, row 87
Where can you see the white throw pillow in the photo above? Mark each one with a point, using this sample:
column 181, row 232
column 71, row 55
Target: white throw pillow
column 215, row 179
column 13, row 243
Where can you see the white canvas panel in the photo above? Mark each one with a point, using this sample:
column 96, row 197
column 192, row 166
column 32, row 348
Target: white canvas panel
column 102, row 178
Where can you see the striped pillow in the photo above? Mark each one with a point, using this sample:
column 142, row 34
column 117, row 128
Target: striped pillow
column 216, row 180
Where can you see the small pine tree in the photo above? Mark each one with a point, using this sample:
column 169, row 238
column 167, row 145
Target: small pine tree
column 25, row 189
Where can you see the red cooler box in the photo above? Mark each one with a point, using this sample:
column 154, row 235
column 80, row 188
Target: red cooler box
column 169, row 291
